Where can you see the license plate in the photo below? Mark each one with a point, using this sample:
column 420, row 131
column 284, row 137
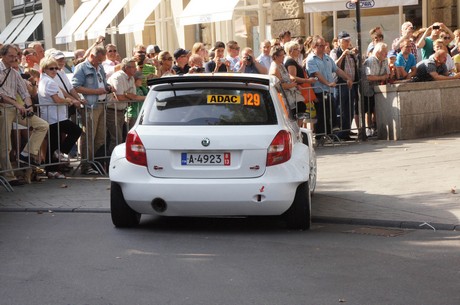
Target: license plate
column 215, row 159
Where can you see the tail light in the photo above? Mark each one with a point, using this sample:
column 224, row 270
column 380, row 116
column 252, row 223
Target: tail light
column 280, row 149
column 135, row 150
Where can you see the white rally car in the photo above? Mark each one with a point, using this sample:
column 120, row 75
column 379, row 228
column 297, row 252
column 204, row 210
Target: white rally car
column 214, row 145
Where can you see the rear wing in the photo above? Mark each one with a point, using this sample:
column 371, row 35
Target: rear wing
column 208, row 77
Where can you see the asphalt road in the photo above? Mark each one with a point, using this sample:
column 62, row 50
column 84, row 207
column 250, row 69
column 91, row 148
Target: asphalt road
column 79, row 258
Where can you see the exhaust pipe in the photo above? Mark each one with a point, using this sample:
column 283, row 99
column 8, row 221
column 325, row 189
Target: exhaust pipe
column 159, row 205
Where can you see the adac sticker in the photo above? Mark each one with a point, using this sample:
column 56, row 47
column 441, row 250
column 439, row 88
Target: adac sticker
column 224, row 99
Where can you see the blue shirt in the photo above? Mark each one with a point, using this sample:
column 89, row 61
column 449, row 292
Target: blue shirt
column 326, row 66
column 86, row 76
column 407, row 64
column 248, row 69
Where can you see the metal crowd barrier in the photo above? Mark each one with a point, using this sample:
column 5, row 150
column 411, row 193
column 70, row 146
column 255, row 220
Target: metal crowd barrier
column 112, row 130
column 10, row 137
column 335, row 111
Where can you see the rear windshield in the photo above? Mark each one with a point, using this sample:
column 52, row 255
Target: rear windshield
column 212, row 106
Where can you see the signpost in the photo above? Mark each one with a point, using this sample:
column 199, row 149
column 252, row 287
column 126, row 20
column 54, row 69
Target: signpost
column 362, row 130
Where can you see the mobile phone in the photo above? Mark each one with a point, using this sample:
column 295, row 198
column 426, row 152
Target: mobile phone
column 223, row 60
column 436, row 27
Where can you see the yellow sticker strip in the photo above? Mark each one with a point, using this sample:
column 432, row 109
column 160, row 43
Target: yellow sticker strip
column 224, row 99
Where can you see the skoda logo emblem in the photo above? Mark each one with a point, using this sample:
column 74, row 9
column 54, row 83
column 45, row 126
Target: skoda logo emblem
column 205, row 142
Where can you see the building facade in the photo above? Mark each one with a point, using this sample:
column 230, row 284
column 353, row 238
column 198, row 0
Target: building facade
column 73, row 24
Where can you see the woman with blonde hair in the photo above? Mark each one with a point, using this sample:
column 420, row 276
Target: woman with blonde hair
column 63, row 133
column 165, row 61
column 200, row 49
column 288, row 83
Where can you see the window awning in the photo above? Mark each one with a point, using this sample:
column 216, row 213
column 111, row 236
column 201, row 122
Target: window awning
column 66, row 33
column 29, row 28
column 135, row 20
column 20, row 27
column 315, row 6
column 81, row 31
column 204, row 11
column 99, row 26
column 10, row 28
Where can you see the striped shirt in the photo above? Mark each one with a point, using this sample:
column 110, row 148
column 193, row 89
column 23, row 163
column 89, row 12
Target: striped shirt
column 13, row 83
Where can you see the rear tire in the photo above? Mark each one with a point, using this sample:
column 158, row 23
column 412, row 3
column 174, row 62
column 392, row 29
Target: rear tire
column 122, row 215
column 298, row 216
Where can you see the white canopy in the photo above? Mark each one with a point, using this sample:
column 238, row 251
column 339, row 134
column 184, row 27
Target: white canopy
column 30, row 28
column 102, row 22
column 19, row 28
column 135, row 20
column 315, row 6
column 10, row 28
column 66, row 33
column 204, row 11
column 81, row 31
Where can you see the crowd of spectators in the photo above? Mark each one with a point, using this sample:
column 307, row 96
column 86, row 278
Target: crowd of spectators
column 329, row 70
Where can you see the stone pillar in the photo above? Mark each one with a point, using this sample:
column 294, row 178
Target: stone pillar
column 5, row 14
column 51, row 22
column 288, row 15
column 445, row 11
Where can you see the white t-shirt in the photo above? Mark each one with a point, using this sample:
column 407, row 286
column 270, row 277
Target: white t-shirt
column 47, row 88
column 63, row 81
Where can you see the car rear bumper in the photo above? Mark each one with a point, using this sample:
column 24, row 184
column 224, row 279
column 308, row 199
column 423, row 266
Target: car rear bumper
column 271, row 194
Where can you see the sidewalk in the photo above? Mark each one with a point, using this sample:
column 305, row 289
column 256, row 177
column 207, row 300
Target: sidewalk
column 398, row 184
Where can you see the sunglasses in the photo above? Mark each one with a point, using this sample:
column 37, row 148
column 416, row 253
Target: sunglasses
column 446, row 37
column 53, row 68
column 168, row 58
column 111, row 51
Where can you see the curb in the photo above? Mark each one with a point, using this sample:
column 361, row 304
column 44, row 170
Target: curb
column 331, row 220
column 388, row 223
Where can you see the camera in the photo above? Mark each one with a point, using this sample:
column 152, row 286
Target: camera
column 28, row 115
column 25, row 75
column 108, row 88
column 222, row 60
column 249, row 58
column 198, row 69
column 141, row 59
column 436, row 27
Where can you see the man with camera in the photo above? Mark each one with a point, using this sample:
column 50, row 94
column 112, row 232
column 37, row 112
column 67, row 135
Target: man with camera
column 145, row 64
column 345, row 57
column 426, row 42
column 247, row 64
column 196, row 64
column 125, row 92
column 181, row 66
column 407, row 30
column 90, row 80
column 11, row 85
column 219, row 63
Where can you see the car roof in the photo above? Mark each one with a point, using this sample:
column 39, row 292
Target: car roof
column 263, row 79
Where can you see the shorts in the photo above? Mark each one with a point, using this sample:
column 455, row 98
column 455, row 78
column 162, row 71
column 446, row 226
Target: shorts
column 369, row 104
column 301, row 108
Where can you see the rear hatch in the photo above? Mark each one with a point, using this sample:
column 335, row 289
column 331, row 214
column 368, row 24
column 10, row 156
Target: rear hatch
column 177, row 152
column 208, row 130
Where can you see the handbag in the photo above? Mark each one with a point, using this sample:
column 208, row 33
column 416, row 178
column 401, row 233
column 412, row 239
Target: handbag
column 311, row 109
column 307, row 91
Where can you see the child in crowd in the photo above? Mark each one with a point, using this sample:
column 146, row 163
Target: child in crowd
column 134, row 108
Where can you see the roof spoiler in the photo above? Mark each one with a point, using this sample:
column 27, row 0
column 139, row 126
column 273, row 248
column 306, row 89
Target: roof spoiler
column 221, row 77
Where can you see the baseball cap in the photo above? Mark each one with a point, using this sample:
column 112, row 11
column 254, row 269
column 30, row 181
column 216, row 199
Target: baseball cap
column 179, row 52
column 344, row 35
column 217, row 45
column 57, row 55
column 138, row 75
column 153, row 48
column 391, row 54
